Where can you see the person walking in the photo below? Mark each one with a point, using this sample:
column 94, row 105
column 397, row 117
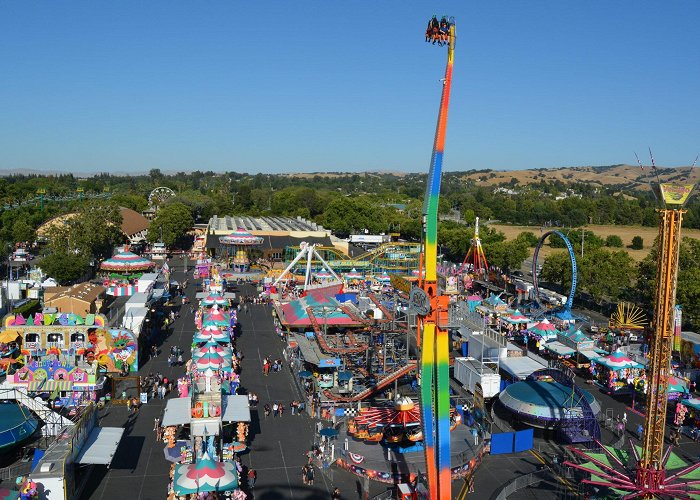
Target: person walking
column 336, row 494
column 267, row 410
column 303, row 473
column 275, row 409
column 310, row 475
column 640, row 431
column 252, row 476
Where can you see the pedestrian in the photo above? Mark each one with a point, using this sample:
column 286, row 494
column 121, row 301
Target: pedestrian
column 624, row 418
column 267, row 410
column 293, row 406
column 336, row 494
column 304, row 473
column 275, row 409
column 640, row 431
column 179, row 359
column 310, row 475
column 251, row 478
column 128, row 405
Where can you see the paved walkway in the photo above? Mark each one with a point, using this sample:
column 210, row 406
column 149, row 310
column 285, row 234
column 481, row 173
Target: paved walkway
column 139, row 469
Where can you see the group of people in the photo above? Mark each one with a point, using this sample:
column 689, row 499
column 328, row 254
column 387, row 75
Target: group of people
column 175, row 356
column 277, row 409
column 274, row 365
column 438, row 31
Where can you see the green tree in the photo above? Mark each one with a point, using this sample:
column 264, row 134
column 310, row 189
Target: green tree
column 91, row 232
column 65, row 267
column 172, row 223
column 528, row 238
column 22, row 231
column 613, row 241
column 637, row 243
column 508, row 255
column 607, row 275
column 556, row 268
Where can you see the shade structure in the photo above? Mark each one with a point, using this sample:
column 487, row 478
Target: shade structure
column 692, row 403
column 544, row 329
column 217, row 350
column 305, row 374
column 384, row 278
column 205, row 475
column 211, row 333
column 354, row 275
column 617, row 361
column 323, row 275
column 328, row 432
column 677, row 385
column 516, row 317
column 213, row 361
column 216, row 317
column 127, row 262
column 214, row 299
column 240, row 237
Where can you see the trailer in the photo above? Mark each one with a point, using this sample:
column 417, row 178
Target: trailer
column 470, row 371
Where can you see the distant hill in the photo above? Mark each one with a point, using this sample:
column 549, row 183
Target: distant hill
column 613, row 175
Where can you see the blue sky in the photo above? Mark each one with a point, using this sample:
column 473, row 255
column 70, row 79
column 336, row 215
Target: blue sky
column 283, row 86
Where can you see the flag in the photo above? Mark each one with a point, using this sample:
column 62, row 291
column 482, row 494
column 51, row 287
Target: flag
column 165, row 268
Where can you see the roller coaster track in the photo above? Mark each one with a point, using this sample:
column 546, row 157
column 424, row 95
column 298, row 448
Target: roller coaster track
column 388, row 316
column 362, row 260
column 37, row 200
column 381, row 383
column 323, row 344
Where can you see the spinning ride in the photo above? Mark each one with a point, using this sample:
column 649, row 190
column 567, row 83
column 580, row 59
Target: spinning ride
column 238, row 245
column 427, row 303
column 475, row 260
column 392, row 423
column 646, row 477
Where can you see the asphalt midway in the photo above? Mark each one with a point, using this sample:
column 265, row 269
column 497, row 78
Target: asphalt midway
column 277, row 446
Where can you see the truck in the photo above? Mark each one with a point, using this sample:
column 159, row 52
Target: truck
column 469, row 372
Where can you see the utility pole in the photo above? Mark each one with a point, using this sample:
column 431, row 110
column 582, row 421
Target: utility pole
column 583, row 237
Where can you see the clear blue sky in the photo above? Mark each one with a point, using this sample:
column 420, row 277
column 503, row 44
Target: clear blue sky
column 282, row 86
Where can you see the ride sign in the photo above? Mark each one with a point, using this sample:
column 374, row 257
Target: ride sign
column 419, row 302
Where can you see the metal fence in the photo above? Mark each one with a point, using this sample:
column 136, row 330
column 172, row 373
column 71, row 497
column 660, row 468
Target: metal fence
column 14, row 471
column 521, row 482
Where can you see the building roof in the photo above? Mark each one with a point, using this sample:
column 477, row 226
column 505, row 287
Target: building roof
column 132, row 221
column 227, row 224
column 274, row 242
column 84, row 292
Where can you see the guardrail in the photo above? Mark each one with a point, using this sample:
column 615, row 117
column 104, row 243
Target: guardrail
column 14, row 471
column 519, row 483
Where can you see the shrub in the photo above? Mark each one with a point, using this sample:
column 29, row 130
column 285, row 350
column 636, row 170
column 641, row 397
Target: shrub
column 637, row 243
column 614, row 241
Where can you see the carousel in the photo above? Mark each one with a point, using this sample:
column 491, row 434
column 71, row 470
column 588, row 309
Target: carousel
column 236, row 247
column 392, row 424
column 127, row 264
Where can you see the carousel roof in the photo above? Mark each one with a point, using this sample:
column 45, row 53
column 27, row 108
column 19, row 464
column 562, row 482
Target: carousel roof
column 240, row 237
column 205, row 475
column 127, row 261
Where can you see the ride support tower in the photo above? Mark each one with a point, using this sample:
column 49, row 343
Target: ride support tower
column 430, row 307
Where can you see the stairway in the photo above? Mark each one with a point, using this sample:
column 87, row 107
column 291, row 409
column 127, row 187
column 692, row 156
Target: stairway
column 381, row 383
column 53, row 422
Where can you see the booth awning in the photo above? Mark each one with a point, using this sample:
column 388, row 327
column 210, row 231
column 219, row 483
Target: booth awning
column 177, row 412
column 559, row 349
column 591, row 353
column 100, row 446
column 50, row 385
column 236, row 409
column 209, row 428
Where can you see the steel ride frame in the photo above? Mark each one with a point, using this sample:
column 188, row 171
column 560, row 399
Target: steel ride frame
column 434, row 341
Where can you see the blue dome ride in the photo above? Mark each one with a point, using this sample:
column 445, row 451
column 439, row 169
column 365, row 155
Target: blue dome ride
column 17, row 424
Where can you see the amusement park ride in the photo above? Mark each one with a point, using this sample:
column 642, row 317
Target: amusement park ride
column 475, row 255
column 647, row 477
column 427, row 302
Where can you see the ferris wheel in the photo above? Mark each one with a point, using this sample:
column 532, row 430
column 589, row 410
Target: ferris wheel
column 159, row 195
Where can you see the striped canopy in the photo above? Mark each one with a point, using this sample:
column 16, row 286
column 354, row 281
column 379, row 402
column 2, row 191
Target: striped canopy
column 323, row 275
column 516, row 317
column 210, row 360
column 203, row 476
column 212, row 348
column 214, row 299
column 618, row 361
column 384, row 278
column 240, row 237
column 127, row 261
column 211, row 333
column 544, row 329
column 354, row 275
